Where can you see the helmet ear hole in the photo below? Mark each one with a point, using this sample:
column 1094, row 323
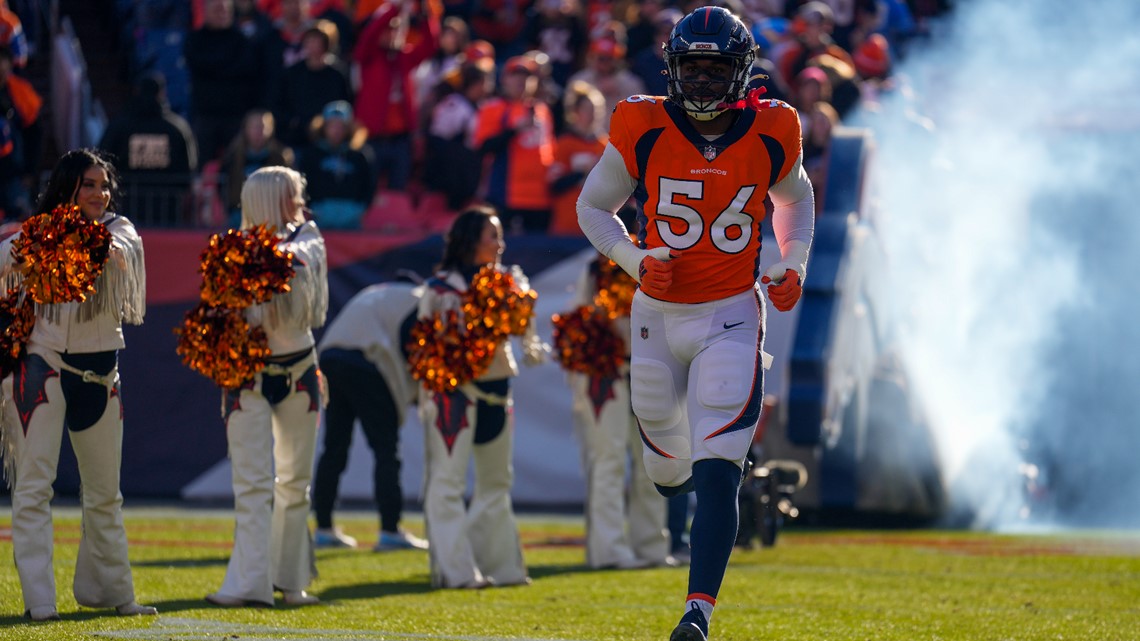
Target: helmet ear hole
column 710, row 33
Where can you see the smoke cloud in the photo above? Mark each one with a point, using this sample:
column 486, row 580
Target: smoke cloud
column 1008, row 178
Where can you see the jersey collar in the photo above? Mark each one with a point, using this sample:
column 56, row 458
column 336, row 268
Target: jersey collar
column 735, row 132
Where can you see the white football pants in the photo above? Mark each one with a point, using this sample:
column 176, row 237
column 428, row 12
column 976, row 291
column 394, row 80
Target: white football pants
column 621, row 529
column 272, row 545
column 102, row 570
column 481, row 542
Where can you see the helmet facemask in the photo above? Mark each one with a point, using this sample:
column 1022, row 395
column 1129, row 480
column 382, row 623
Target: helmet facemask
column 704, row 96
column 714, row 34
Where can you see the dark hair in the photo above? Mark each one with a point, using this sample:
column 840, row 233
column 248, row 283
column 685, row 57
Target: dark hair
column 66, row 176
column 327, row 31
column 463, row 236
column 471, row 75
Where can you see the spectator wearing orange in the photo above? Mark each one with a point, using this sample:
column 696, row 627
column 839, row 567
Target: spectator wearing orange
column 392, row 44
column 813, row 25
column 516, row 133
column 12, row 35
column 363, row 10
column 20, row 138
column 576, row 153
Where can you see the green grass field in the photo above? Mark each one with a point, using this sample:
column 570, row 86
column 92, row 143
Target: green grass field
column 813, row 585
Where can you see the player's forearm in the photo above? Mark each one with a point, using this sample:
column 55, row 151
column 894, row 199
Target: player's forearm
column 793, row 216
column 606, row 189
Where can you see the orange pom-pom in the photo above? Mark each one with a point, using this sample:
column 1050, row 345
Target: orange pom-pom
column 244, row 267
column 442, row 357
column 17, row 318
column 615, row 289
column 585, row 342
column 60, row 254
column 495, row 305
column 218, row 343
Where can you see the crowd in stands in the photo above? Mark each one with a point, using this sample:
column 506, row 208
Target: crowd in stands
column 401, row 112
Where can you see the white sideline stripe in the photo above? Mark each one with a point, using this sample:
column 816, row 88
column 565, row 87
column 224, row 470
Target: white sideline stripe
column 179, row 629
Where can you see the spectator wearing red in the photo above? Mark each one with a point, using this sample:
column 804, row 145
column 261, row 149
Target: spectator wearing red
column 364, row 10
column 578, row 150
column 516, row 133
column 873, row 58
column 397, row 38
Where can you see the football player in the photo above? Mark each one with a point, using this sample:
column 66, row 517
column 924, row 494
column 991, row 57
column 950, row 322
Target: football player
column 699, row 162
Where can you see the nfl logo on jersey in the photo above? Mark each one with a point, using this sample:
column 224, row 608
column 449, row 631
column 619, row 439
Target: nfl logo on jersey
column 710, row 153
column 644, row 333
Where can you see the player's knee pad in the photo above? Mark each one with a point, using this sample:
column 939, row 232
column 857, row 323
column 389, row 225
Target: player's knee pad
column 651, row 393
column 730, row 445
column 725, row 377
column 668, row 472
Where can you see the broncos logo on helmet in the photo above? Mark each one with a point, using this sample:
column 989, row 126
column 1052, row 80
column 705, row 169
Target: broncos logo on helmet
column 709, row 33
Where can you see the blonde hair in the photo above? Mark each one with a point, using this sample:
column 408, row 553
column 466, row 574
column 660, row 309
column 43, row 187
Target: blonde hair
column 273, row 196
column 581, row 91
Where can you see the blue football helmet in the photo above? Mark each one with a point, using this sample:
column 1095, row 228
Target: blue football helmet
column 709, row 33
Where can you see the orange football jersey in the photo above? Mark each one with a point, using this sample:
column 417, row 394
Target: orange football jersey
column 705, row 199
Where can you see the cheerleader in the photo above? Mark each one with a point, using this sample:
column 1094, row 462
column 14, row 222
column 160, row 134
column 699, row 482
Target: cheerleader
column 69, row 375
column 477, row 546
column 272, row 419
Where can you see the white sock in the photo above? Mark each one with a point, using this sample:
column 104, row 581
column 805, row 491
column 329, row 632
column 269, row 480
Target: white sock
column 702, row 603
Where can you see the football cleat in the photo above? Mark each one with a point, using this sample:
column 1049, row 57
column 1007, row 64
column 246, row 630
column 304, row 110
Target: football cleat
column 693, row 626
